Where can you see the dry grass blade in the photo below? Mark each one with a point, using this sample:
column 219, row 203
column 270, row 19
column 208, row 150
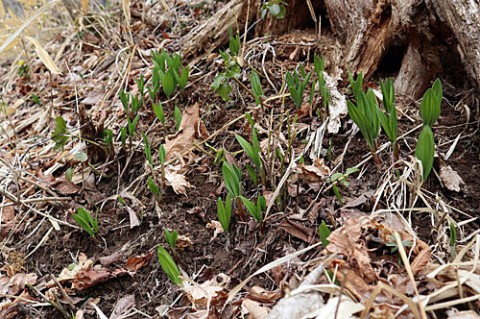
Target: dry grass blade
column 44, row 56
column 26, row 24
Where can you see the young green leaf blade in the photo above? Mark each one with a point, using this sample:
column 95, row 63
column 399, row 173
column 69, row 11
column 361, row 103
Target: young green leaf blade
column 252, row 209
column 168, row 265
column 323, row 233
column 425, row 150
column 231, row 179
column 430, row 108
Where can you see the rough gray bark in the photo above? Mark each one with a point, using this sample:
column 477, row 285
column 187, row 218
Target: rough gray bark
column 368, row 28
column 428, row 32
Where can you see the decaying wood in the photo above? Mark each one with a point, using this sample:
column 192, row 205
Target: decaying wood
column 462, row 17
column 368, row 28
column 213, row 33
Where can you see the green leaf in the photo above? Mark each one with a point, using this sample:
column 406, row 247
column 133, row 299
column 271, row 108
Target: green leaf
column 168, row 84
column 430, row 107
column 251, row 172
column 162, row 154
column 356, row 84
column 256, row 86
column 425, row 150
column 148, row 152
column 177, row 114
column 251, row 152
column 152, row 186
column 60, row 132
column 234, row 44
column 224, row 212
column 252, row 209
column 158, row 110
column 231, row 178
column 169, row 266
column 171, row 238
column 86, row 221
column 323, row 233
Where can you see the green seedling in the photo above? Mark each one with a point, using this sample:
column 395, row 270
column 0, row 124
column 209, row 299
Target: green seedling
column 171, row 238
column 388, row 120
column 232, row 66
column 453, row 241
column 341, row 178
column 425, row 151
column 323, row 233
column 232, row 177
column 60, row 134
column 431, row 104
column 141, row 87
column 297, row 83
column 319, row 66
column 148, row 152
column 158, row 111
column 152, row 186
column 365, row 116
column 224, row 212
column 255, row 209
column 86, row 221
column 169, row 73
column 253, row 151
column 275, row 8
column 107, row 136
column 162, row 156
column 177, row 114
column 356, row 84
column 36, row 99
column 256, row 87
column 234, row 42
column 169, row 266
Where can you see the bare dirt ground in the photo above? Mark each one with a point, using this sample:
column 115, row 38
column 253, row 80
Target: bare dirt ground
column 50, row 268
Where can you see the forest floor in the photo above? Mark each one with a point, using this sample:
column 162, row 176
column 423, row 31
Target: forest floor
column 397, row 245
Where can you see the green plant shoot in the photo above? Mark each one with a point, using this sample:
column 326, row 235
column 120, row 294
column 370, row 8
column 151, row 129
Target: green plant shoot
column 297, row 83
column 388, row 120
column 224, row 212
column 430, row 106
column 365, row 116
column 171, row 238
column 425, row 150
column 232, row 177
column 323, row 233
column 86, row 221
column 169, row 266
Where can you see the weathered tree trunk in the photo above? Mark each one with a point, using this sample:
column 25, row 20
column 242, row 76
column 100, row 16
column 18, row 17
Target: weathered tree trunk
column 434, row 36
column 411, row 40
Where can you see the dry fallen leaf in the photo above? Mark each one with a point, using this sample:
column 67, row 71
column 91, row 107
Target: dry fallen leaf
column 16, row 283
column 255, row 309
column 122, row 306
column 450, row 178
column 190, row 128
column 137, row 262
column 178, row 181
column 314, row 173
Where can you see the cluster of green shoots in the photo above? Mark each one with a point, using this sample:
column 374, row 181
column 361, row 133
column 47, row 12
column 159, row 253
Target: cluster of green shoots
column 232, row 178
column 369, row 117
column 86, row 221
column 297, row 81
column 166, row 261
column 430, row 108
